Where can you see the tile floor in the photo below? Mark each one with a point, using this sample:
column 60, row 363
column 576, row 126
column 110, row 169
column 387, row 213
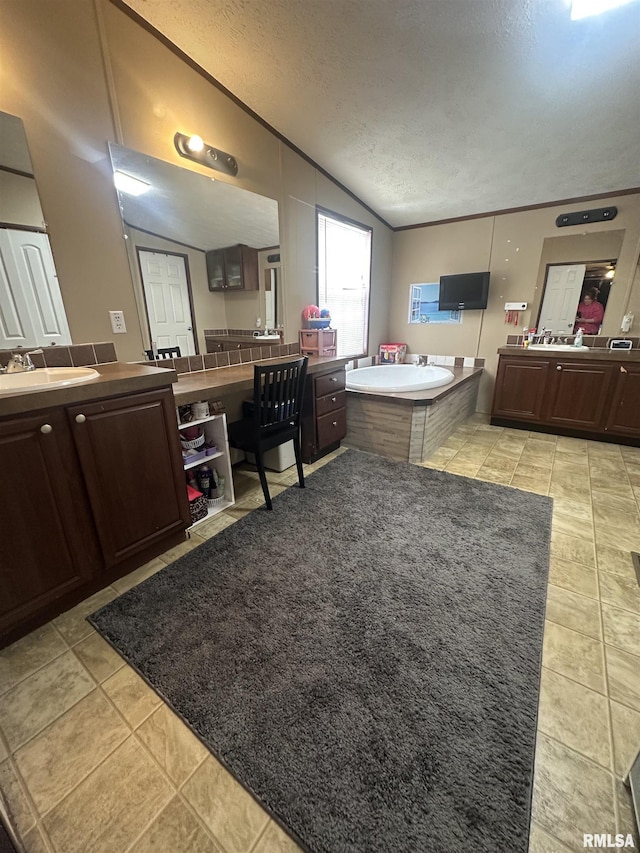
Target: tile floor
column 92, row 761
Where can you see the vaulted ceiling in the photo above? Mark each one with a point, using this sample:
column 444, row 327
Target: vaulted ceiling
column 432, row 109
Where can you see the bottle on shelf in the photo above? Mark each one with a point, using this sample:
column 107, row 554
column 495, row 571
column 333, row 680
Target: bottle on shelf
column 205, row 480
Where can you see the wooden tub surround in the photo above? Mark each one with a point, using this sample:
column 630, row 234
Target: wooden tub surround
column 411, row 425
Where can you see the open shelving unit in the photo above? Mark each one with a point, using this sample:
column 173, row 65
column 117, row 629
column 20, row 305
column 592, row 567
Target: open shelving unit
column 215, row 432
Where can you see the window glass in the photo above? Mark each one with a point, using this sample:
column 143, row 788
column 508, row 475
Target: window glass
column 344, row 277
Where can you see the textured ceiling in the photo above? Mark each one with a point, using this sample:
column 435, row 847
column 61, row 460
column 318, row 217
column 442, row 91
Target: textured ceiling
column 431, row 109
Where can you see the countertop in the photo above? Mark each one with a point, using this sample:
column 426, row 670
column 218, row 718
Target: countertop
column 592, row 354
column 116, row 378
column 428, row 396
column 203, row 385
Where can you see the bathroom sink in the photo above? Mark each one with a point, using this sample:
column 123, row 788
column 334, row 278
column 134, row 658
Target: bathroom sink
column 44, row 378
column 266, row 337
column 557, row 347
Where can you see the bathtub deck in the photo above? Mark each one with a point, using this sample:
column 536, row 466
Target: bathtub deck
column 410, row 425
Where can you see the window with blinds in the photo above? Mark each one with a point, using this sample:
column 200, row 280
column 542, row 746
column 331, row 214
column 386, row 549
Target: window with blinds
column 344, row 277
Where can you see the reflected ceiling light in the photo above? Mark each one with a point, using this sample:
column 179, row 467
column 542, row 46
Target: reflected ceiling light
column 195, row 149
column 586, row 8
column 128, row 184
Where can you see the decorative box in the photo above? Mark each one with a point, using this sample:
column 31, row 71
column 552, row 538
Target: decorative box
column 198, row 505
column 392, row 353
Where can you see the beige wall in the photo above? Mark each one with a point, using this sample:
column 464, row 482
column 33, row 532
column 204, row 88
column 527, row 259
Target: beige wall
column 510, row 246
column 81, row 74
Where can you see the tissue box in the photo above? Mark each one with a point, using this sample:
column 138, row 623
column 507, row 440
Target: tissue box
column 392, row 353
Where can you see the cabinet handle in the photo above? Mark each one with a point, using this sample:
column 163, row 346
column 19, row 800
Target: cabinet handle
column 238, row 346
column 80, row 419
column 559, row 367
column 334, row 423
column 333, row 399
column 623, row 369
column 334, row 379
column 45, row 429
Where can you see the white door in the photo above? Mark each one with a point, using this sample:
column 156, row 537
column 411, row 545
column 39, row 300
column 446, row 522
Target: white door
column 561, row 298
column 31, row 309
column 164, row 278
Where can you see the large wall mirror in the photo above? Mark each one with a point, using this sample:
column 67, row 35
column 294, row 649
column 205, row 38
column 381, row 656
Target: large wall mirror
column 576, row 279
column 204, row 254
column 32, row 313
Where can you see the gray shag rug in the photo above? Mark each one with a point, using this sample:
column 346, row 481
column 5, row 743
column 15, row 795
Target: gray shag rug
column 365, row 659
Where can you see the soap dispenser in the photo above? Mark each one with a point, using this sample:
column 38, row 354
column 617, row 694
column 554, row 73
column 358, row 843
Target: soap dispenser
column 577, row 342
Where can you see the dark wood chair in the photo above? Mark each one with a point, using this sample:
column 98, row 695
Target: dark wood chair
column 277, row 403
column 163, row 352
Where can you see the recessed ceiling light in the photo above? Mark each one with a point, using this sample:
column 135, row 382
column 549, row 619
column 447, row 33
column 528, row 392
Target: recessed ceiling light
column 128, row 184
column 586, row 8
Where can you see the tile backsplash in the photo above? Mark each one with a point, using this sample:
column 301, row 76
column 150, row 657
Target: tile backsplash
column 597, row 341
column 77, row 355
column 212, row 360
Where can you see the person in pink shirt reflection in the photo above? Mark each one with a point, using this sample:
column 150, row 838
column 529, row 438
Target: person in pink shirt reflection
column 590, row 313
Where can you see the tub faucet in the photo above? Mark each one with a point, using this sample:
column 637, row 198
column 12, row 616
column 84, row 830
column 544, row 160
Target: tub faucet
column 21, row 362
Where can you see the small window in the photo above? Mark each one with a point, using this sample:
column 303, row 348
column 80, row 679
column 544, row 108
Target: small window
column 344, row 278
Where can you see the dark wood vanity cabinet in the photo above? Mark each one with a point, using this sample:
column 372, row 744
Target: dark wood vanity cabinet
column 324, row 419
column 130, row 461
column 232, row 268
column 48, row 548
column 597, row 399
column 520, row 388
column 577, row 394
column 624, row 412
column 88, row 493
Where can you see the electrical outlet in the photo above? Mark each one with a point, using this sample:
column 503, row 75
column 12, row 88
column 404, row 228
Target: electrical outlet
column 118, row 325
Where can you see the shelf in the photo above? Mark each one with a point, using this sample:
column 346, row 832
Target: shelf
column 203, row 461
column 199, row 421
column 213, row 511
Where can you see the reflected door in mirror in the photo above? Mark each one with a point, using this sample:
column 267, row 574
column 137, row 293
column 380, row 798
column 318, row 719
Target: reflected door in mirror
column 166, row 291
column 32, row 308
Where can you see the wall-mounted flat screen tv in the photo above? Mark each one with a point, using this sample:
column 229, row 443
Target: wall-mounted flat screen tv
column 465, row 292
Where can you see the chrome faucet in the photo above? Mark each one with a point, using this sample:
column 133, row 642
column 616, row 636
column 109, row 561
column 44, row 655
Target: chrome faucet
column 21, row 362
column 420, row 360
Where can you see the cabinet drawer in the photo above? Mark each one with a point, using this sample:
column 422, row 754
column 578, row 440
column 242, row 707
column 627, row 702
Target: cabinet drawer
column 331, row 427
column 329, row 382
column 214, row 346
column 330, row 403
column 323, row 351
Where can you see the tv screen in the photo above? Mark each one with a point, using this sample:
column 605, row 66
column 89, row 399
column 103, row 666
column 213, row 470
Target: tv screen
column 466, row 292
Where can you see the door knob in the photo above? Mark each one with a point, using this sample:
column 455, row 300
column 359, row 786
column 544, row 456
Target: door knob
column 46, row 429
column 80, row 419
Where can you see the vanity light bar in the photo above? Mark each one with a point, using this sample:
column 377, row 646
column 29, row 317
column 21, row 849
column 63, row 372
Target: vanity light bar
column 205, row 154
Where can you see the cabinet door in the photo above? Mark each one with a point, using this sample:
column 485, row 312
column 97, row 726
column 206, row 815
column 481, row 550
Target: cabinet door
column 577, row 394
column 215, row 269
column 520, row 388
column 241, row 268
column 47, row 541
column 624, row 414
column 130, row 458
